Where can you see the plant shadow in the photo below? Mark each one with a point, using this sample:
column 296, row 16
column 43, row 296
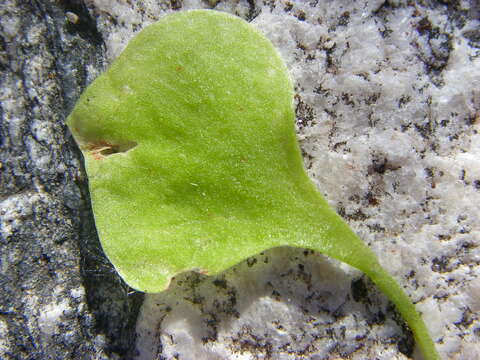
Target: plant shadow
column 285, row 303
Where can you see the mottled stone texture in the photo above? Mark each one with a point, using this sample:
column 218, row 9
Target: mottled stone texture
column 60, row 299
column 387, row 103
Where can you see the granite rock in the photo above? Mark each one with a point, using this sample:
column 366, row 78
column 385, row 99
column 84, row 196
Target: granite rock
column 61, row 299
column 387, row 104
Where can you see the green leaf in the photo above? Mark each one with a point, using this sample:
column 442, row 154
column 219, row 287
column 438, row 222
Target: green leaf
column 193, row 162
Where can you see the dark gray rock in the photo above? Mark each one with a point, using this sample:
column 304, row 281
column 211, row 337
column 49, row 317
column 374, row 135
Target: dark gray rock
column 61, row 299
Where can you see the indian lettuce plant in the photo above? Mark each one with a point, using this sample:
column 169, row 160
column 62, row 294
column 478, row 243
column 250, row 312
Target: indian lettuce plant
column 193, row 161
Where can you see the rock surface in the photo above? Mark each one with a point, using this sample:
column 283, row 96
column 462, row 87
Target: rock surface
column 387, row 100
column 60, row 297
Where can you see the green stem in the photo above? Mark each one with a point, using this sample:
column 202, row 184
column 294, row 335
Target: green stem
column 339, row 241
column 395, row 293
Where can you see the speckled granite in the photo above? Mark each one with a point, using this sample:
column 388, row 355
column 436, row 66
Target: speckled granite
column 60, row 298
column 388, row 107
